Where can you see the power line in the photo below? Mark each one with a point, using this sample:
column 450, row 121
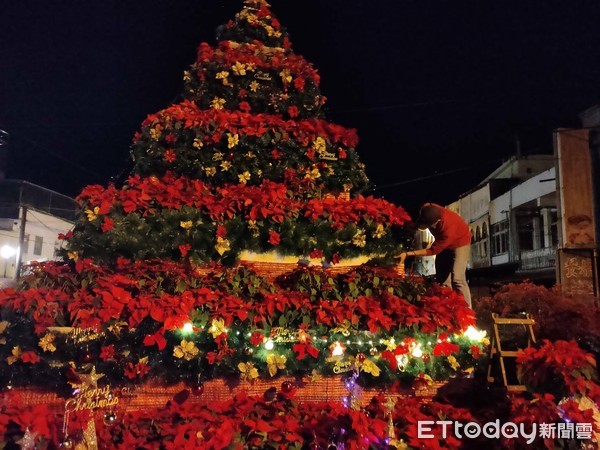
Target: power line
column 41, row 222
column 50, row 208
column 429, row 177
column 17, row 238
column 62, row 158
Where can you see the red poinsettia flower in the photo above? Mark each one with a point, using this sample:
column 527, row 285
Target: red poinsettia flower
column 185, row 249
column 342, row 153
column 170, row 139
column 390, row 358
column 299, row 83
column 136, row 371
column 257, row 338
column 108, row 224
column 559, row 363
column 293, row 111
column 221, row 231
column 212, row 357
column 475, row 351
column 445, row 348
column 64, row 237
column 274, row 238
column 108, row 352
column 30, row 357
column 316, row 253
column 170, row 156
column 244, row 106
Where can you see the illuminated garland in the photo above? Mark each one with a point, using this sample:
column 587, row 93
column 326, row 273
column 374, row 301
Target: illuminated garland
column 232, row 323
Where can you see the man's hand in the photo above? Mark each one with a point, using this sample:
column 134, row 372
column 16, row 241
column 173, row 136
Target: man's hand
column 402, row 257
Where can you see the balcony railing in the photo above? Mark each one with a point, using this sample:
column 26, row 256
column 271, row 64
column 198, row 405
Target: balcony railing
column 541, row 258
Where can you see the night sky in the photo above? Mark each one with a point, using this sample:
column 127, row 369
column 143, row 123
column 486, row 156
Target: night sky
column 432, row 86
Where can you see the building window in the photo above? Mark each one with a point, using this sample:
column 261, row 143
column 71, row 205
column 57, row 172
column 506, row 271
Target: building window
column 25, row 244
column 528, row 230
column 484, row 239
column 500, row 238
column 37, row 246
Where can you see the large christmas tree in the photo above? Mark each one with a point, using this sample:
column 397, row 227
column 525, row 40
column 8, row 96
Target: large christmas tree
column 176, row 296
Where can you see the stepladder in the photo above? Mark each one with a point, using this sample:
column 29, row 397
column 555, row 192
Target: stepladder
column 499, row 354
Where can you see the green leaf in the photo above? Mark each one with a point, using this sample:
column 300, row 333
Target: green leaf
column 181, row 286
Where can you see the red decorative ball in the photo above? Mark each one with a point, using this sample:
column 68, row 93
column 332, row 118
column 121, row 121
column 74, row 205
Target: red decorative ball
column 426, row 358
column 361, row 357
column 198, row 389
column 287, row 387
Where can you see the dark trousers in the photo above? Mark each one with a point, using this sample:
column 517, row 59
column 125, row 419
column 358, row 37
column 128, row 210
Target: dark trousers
column 451, row 270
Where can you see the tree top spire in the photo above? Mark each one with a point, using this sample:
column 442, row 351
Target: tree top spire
column 255, row 22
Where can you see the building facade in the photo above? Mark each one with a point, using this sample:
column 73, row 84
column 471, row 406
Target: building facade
column 513, row 219
column 43, row 214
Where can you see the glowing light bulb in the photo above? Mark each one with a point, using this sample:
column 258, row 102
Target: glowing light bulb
column 338, row 350
column 474, row 334
column 188, row 327
column 417, row 352
column 269, row 344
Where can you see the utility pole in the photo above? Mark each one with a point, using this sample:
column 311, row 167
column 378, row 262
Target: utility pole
column 21, row 242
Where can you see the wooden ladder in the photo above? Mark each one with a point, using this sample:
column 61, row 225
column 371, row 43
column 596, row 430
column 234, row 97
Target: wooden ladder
column 496, row 348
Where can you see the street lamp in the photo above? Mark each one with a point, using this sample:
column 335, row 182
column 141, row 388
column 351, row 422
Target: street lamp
column 7, row 252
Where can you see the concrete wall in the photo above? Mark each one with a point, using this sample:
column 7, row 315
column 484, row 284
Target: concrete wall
column 39, row 225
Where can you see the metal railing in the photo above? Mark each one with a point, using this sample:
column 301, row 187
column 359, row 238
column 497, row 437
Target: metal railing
column 541, row 258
